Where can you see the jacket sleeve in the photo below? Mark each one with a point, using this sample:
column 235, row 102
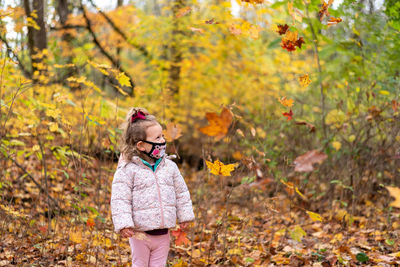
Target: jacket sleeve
column 121, row 200
column 184, row 209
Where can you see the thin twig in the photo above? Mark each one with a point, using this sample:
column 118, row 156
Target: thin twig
column 142, row 49
column 101, row 48
column 315, row 46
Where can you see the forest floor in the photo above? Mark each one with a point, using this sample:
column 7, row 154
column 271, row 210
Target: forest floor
column 235, row 226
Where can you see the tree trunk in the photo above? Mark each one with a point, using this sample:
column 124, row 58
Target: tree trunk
column 37, row 38
column 175, row 52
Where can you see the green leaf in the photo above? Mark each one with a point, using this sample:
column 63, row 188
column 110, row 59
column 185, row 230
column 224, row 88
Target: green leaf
column 362, row 257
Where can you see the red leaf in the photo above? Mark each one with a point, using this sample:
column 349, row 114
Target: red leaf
column 288, row 115
column 43, row 229
column 282, row 29
column 90, row 222
column 180, row 237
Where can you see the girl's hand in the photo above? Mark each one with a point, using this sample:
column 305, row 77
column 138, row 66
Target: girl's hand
column 127, row 232
column 183, row 225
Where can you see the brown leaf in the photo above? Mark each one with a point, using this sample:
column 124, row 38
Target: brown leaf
column 172, row 132
column 309, row 125
column 304, row 163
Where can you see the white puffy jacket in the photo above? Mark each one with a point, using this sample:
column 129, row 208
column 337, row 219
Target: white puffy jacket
column 147, row 200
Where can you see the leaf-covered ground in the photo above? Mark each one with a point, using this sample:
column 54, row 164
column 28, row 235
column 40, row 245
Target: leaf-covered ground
column 237, row 225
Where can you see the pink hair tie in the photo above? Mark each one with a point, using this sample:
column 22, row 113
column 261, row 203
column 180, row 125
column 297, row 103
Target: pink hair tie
column 138, row 116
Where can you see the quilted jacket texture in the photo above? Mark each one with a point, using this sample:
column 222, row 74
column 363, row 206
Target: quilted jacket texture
column 147, row 200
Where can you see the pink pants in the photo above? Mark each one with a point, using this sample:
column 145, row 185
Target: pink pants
column 152, row 252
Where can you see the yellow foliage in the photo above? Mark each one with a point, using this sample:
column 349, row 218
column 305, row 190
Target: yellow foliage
column 218, row 168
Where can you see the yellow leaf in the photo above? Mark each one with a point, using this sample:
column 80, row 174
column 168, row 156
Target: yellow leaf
column 123, row 79
column 218, row 168
column 297, row 233
column 384, row 92
column 337, row 145
column 76, row 237
column 314, row 216
column 53, row 113
column 237, row 155
column 304, row 80
column 53, row 127
column 300, row 194
column 394, row 192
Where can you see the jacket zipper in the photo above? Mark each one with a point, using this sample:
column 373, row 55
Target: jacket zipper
column 159, row 193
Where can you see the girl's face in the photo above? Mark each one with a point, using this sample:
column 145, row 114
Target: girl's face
column 153, row 134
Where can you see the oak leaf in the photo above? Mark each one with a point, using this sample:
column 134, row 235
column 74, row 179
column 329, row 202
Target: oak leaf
column 172, row 132
column 180, row 237
column 218, row 125
column 286, row 102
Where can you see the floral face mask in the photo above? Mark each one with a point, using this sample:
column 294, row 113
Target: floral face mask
column 157, row 149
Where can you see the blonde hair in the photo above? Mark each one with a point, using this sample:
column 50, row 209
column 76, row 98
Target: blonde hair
column 133, row 132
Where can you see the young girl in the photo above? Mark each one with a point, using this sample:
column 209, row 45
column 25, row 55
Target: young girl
column 148, row 191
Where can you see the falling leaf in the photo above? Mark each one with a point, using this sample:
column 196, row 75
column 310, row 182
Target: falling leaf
column 218, row 125
column 183, row 11
column 286, row 102
column 180, row 237
column 304, row 163
column 304, row 80
column 288, row 115
column 282, row 29
column 218, row 168
column 172, row 132
column 394, row 192
column 199, row 30
column 297, row 233
column 314, row 216
column 334, row 21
